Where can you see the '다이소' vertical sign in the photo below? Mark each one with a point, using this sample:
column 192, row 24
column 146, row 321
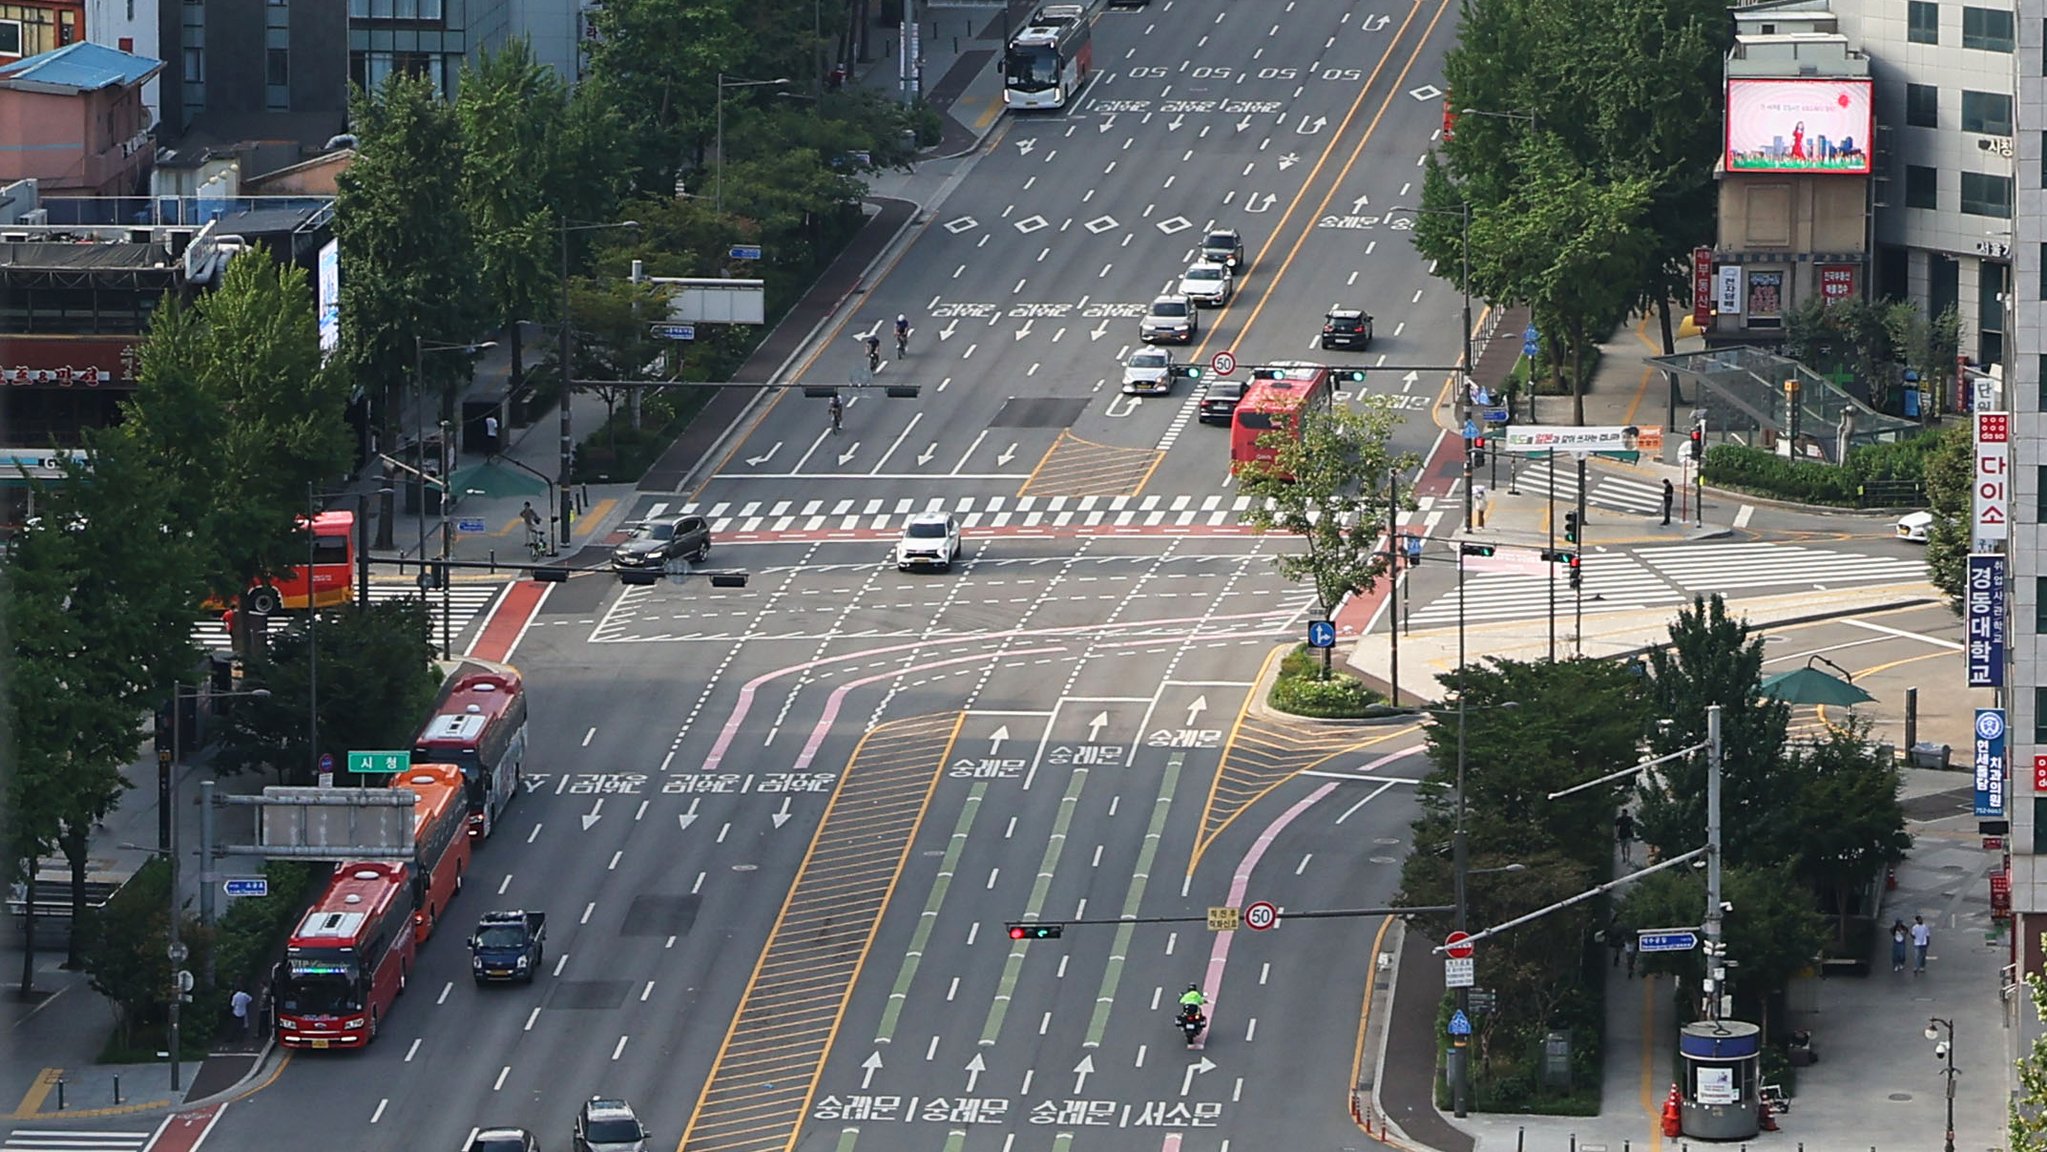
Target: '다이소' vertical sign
column 1984, row 613
column 1990, row 754
column 1990, row 513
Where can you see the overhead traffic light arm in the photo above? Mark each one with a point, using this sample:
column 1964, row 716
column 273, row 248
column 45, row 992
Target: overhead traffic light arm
column 1054, row 929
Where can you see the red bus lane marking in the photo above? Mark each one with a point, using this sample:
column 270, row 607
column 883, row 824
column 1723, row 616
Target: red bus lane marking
column 506, row 625
column 185, row 1131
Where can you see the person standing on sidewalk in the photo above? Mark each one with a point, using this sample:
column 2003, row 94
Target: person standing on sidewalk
column 1922, row 938
column 1669, row 498
column 1899, row 937
column 243, row 1006
column 490, row 448
column 1624, row 835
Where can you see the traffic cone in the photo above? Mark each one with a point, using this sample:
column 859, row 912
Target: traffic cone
column 1673, row 1118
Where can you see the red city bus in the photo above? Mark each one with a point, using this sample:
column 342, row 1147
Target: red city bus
column 480, row 727
column 440, row 840
column 1276, row 398
column 348, row 959
column 333, row 571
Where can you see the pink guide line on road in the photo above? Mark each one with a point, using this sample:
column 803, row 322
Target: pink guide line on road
column 838, row 696
column 1219, row 952
column 752, row 687
column 185, row 1131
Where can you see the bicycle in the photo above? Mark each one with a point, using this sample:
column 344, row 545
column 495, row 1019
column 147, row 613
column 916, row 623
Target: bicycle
column 838, row 411
column 536, row 543
column 902, row 342
column 874, row 353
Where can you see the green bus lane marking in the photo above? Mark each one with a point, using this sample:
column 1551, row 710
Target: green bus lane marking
column 1098, row 1024
column 1013, row 966
column 908, row 972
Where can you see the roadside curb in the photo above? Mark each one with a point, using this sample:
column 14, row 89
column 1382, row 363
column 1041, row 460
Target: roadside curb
column 1269, row 675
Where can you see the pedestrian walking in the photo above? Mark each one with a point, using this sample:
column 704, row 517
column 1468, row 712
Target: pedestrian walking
column 1628, row 949
column 1624, row 835
column 243, row 1006
column 1669, row 497
column 490, row 447
column 1898, row 939
column 1614, row 932
column 1922, row 936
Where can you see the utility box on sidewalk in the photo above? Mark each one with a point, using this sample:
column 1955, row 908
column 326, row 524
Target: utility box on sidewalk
column 1928, row 755
column 1722, row 1079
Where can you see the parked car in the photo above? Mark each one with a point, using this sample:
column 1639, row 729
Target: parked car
column 929, row 540
column 1346, row 328
column 655, row 542
column 1219, row 401
column 1914, row 526
column 1169, row 318
column 608, row 1125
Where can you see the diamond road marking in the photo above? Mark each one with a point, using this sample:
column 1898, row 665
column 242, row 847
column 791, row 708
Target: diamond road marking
column 1426, row 92
column 963, row 224
column 1030, row 224
column 1101, row 224
column 1176, row 224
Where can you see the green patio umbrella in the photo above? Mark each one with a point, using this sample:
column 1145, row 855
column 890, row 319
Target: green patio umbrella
column 1809, row 685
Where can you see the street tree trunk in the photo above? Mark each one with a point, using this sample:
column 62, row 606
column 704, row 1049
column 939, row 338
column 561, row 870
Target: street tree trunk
column 28, row 933
column 73, row 841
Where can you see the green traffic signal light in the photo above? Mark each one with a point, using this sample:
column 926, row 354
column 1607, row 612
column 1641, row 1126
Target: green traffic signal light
column 1570, row 527
column 1352, row 375
column 1476, row 549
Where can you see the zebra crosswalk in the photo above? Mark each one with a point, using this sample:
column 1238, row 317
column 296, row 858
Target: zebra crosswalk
column 740, row 518
column 1531, row 478
column 1665, row 575
column 75, row 1140
column 465, row 602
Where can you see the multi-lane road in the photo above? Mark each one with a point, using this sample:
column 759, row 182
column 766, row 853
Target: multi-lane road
column 778, row 829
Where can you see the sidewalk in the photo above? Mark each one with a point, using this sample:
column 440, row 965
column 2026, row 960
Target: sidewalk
column 1876, row 1084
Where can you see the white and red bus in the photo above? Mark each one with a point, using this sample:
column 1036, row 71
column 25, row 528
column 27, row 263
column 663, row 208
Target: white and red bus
column 440, row 840
column 348, row 959
column 480, row 727
column 1277, row 399
column 333, row 571
column 1050, row 58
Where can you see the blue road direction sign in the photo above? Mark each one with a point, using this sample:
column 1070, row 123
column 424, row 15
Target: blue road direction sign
column 1667, row 940
column 471, row 525
column 1321, row 634
column 1470, row 430
column 246, row 886
column 675, row 331
column 379, row 763
column 745, row 252
column 1531, row 342
column 1460, row 1024
column 1494, row 415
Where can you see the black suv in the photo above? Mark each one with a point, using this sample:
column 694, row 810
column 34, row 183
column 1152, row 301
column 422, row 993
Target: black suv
column 655, row 542
column 1347, row 328
column 1224, row 246
column 1219, row 401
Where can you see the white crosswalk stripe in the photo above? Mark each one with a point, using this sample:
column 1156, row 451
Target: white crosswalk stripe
column 465, row 601
column 1612, row 582
column 1607, row 491
column 1185, row 511
column 75, row 1140
column 1708, row 567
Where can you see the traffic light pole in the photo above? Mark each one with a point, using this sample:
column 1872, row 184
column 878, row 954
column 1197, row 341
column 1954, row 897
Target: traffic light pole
column 1052, row 929
column 1578, row 589
column 1552, row 522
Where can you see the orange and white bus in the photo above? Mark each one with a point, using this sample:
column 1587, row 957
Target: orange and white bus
column 333, row 571
column 440, row 840
column 348, row 959
column 1276, row 400
column 480, row 727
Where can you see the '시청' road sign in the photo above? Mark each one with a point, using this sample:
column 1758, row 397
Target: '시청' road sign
column 378, row 763
column 246, row 886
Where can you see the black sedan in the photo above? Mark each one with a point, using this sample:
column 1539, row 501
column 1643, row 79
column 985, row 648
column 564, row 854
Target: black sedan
column 655, row 542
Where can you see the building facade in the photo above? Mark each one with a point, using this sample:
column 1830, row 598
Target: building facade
column 241, row 60
column 427, row 37
column 131, row 26
column 73, row 121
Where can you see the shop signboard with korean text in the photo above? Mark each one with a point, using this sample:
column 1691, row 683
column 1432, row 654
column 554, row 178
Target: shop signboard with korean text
column 1702, row 286
column 1991, row 745
column 1990, row 511
column 1984, row 614
column 1799, row 125
column 1837, row 282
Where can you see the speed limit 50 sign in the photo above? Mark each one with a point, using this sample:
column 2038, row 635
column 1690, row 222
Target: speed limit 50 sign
column 1260, row 915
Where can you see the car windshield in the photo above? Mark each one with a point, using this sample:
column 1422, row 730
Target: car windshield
column 661, row 531
column 612, row 1131
column 1169, row 308
column 1148, row 360
column 1220, row 240
column 501, row 936
column 318, row 995
column 1204, row 273
column 926, row 530
column 498, row 1144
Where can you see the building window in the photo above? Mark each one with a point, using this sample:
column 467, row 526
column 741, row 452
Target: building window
column 2039, row 716
column 1986, row 195
column 2043, row 296
column 10, row 37
column 1986, row 112
column 2039, row 591
column 1922, row 106
column 1986, row 28
column 1922, row 187
column 1924, row 20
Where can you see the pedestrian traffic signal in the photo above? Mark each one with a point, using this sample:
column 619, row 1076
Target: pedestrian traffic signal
column 1478, row 452
column 1577, row 573
column 1032, row 930
column 1698, row 441
column 1570, row 527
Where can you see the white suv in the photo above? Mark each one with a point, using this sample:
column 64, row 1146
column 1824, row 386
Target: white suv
column 929, row 540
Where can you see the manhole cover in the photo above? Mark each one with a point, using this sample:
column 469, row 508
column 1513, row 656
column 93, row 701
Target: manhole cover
column 1900, row 1097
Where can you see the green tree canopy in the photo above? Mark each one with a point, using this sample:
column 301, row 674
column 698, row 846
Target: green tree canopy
column 1772, row 932
column 1950, row 473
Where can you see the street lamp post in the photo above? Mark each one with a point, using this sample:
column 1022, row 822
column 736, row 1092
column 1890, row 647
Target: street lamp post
column 1945, row 1050
column 568, row 443
column 718, row 181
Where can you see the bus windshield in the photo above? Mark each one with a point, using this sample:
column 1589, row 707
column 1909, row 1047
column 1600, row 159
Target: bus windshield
column 319, row 988
column 1033, row 68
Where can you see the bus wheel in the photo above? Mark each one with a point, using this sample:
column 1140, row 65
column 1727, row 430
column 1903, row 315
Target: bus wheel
column 264, row 601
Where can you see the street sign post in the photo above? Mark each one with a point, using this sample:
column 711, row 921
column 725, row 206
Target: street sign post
column 1666, row 940
column 246, row 886
column 379, row 763
column 1457, row 946
column 1494, row 415
column 1321, row 634
column 1260, row 915
column 1224, row 920
column 1531, row 342
column 1460, row 1024
column 471, row 525
column 1223, row 362
column 745, row 252
column 673, row 331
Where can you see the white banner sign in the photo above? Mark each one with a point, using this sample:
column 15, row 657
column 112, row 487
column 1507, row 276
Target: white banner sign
column 1535, row 439
column 1990, row 517
column 1730, row 289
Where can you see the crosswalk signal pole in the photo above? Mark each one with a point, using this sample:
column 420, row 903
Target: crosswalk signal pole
column 1553, row 545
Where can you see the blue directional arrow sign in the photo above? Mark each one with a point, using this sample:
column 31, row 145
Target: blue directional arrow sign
column 1321, row 634
column 246, row 886
column 745, row 252
column 1667, row 940
column 1460, row 1024
column 1470, row 430
column 1494, row 415
column 1531, row 341
column 471, row 525
column 674, row 331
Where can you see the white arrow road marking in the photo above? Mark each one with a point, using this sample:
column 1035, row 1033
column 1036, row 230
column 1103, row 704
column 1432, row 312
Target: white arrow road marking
column 848, row 453
column 1199, row 706
column 591, row 816
column 690, row 817
column 996, row 738
column 1187, row 1081
column 872, row 1064
column 1134, row 402
column 1099, row 331
column 925, row 456
column 1094, row 726
column 945, row 333
column 1251, row 203
column 1026, row 329
column 1107, row 123
column 1287, row 161
column 782, row 817
column 1082, row 1071
column 764, row 457
column 1025, row 145
column 1175, row 122
column 1407, row 381
column 1359, row 203
column 1377, row 22
column 975, row 1067
column 1303, row 128
column 1243, row 124
column 1008, row 454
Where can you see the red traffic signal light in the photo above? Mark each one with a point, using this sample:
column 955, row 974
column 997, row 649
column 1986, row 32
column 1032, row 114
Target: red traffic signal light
column 1577, row 572
column 1698, row 441
column 1032, row 930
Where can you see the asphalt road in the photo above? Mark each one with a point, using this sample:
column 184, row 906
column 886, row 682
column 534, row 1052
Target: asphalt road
column 778, row 829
